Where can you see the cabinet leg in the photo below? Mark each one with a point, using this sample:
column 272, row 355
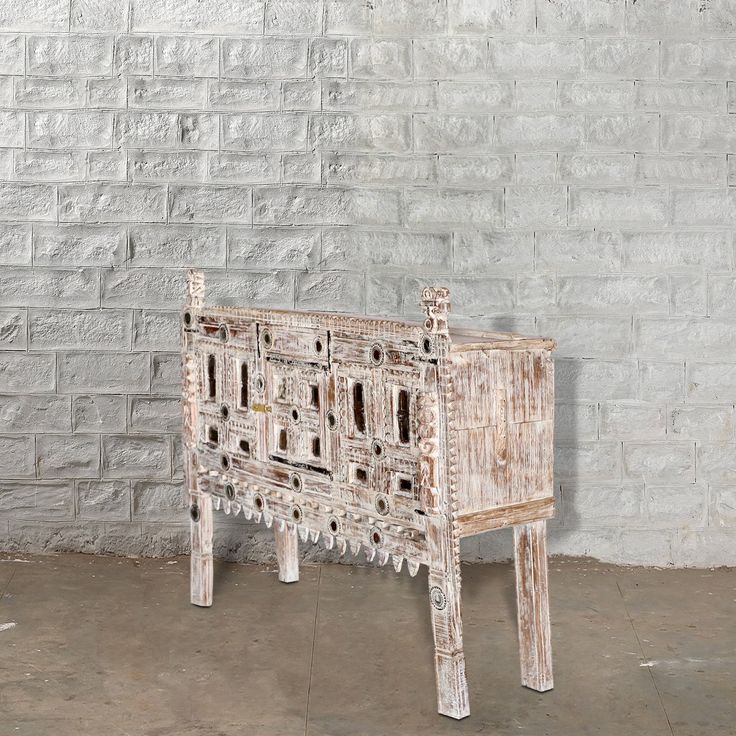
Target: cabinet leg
column 532, row 600
column 449, row 657
column 287, row 553
column 201, row 571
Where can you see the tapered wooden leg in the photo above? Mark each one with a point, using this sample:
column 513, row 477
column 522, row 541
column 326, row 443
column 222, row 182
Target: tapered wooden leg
column 287, row 553
column 532, row 599
column 200, row 513
column 449, row 657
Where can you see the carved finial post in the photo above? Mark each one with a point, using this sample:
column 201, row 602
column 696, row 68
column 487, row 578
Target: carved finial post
column 195, row 284
column 436, row 305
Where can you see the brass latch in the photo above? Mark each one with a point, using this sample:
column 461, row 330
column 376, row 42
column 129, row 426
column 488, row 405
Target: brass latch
column 264, row 408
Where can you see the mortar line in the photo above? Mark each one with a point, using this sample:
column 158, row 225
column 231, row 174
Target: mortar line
column 643, row 656
column 311, row 657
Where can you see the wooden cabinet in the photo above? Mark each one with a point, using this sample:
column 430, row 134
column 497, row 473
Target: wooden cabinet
column 391, row 438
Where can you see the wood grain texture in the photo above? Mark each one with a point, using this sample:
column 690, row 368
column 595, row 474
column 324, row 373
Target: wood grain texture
column 368, row 434
column 532, row 601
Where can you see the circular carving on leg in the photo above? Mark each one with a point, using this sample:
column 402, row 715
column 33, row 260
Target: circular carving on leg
column 319, row 345
column 377, row 354
column 376, row 537
column 259, row 502
column 437, row 598
column 296, row 514
column 331, row 421
column 333, row 525
column 230, row 492
column 427, row 345
column 194, row 513
column 223, row 333
column 266, row 339
column 377, row 449
column 295, row 482
column 429, row 324
column 294, row 414
column 382, row 505
column 187, row 317
column 260, row 383
column 225, row 462
column 225, row 412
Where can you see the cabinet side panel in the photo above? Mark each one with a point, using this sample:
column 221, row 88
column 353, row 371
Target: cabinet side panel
column 504, row 433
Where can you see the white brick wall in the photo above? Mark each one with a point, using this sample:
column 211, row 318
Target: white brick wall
column 567, row 167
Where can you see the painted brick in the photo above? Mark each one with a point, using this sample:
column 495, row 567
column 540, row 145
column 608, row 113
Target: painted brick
column 380, row 58
column 49, row 288
column 682, row 337
column 98, row 413
column 159, row 501
column 301, row 168
column 533, row 96
column 391, row 96
column 384, row 251
column 210, row 204
column 540, row 206
column 13, row 329
column 23, row 372
column 536, row 168
column 491, row 16
column 301, row 96
column 584, row 380
column 327, row 57
column 432, row 207
column 576, row 420
column 346, row 131
column 688, row 295
column 677, row 251
column 597, row 168
column 241, row 95
column 112, row 203
column 493, row 251
column 154, row 414
column 39, row 413
column 588, row 337
column 70, row 129
column 479, row 170
column 15, row 245
column 166, row 373
column 187, row 56
column 143, row 288
column 334, row 290
column 709, row 423
column 622, row 58
column 456, row 133
column 154, row 330
column 27, row 201
column 600, row 95
column 135, row 457
column 346, row 168
column 706, row 59
column 176, row 246
column 166, row 130
column 68, row 456
column 155, row 166
column 85, row 330
column 134, row 55
column 450, row 58
column 724, row 507
column 631, row 421
column 661, row 381
column 49, row 165
column 593, row 17
column 166, row 94
column 680, row 96
column 70, row 55
column 699, row 132
column 49, row 93
column 250, row 132
column 680, row 170
column 588, row 460
column 677, row 505
column 37, row 500
column 332, row 206
column 104, row 373
column 625, row 205
column 704, row 207
column 201, row 16
column 603, row 504
column 660, row 461
column 276, row 248
column 543, row 59
column 411, row 17
column 78, row 245
column 44, row 15
column 12, row 53
column 107, row 500
column 107, row 93
column 614, row 132
column 539, row 132
column 17, row 456
column 274, row 58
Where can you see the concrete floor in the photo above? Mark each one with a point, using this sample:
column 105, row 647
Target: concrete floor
column 111, row 647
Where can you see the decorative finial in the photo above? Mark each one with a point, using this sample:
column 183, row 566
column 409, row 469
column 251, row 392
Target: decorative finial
column 195, row 284
column 436, row 305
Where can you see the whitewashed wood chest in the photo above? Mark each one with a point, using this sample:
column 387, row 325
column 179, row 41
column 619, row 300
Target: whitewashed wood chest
column 391, row 438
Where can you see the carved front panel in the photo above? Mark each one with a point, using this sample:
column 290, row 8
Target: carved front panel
column 312, row 420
